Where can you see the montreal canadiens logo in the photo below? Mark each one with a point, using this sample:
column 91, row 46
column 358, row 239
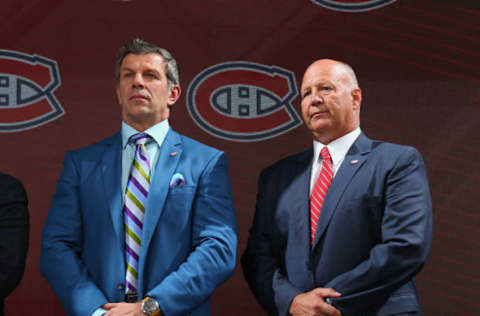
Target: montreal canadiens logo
column 27, row 83
column 243, row 101
column 353, row 5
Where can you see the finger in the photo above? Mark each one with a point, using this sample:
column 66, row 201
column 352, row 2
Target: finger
column 108, row 306
column 327, row 292
column 327, row 309
column 336, row 312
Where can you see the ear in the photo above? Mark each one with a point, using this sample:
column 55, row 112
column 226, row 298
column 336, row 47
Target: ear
column 117, row 90
column 357, row 98
column 174, row 95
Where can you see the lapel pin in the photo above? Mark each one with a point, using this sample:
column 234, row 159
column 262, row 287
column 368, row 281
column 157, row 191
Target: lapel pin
column 354, row 161
column 173, row 154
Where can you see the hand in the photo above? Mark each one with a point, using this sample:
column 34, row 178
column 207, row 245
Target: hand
column 313, row 303
column 123, row 309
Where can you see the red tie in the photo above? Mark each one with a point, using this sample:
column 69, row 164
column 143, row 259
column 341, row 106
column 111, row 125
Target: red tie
column 320, row 190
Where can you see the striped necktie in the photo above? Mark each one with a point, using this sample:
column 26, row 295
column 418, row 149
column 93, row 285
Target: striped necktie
column 320, row 190
column 134, row 208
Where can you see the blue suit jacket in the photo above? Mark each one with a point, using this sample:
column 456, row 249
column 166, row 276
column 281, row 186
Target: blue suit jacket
column 373, row 235
column 189, row 235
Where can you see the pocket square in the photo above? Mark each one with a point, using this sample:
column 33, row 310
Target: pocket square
column 177, row 180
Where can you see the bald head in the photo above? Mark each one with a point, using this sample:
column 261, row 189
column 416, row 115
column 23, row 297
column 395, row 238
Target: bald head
column 337, row 68
column 331, row 99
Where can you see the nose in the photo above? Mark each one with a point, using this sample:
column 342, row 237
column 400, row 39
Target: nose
column 138, row 81
column 317, row 98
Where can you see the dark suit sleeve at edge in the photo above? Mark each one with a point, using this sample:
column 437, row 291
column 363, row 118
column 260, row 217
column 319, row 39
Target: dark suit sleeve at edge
column 406, row 239
column 14, row 232
column 260, row 261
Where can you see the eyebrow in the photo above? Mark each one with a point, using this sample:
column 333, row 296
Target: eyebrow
column 147, row 70
column 321, row 83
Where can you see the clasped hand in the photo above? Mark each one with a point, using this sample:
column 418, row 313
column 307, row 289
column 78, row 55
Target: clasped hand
column 123, row 309
column 313, row 303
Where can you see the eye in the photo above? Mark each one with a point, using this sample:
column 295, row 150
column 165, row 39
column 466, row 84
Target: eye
column 127, row 75
column 151, row 75
column 305, row 94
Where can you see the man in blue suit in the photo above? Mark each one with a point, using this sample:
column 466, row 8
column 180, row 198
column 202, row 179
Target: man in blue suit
column 358, row 255
column 186, row 243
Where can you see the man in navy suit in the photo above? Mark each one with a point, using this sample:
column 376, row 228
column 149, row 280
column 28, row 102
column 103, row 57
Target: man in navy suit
column 187, row 241
column 14, row 233
column 374, row 228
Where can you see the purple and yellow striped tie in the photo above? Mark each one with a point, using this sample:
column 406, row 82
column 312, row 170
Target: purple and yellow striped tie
column 134, row 208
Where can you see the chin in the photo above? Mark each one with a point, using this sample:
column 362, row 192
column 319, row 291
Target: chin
column 320, row 127
column 140, row 116
column 140, row 110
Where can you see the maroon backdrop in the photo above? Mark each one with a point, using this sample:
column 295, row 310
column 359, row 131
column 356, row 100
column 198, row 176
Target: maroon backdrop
column 417, row 63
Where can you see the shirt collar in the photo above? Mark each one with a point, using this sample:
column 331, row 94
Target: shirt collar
column 337, row 148
column 157, row 132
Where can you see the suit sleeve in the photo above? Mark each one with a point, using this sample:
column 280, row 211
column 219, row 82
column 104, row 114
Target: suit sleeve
column 214, row 236
column 261, row 260
column 14, row 231
column 61, row 247
column 406, row 239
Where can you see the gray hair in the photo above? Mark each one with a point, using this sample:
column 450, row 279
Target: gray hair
column 139, row 46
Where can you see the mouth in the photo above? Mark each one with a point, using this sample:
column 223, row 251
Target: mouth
column 319, row 114
column 138, row 97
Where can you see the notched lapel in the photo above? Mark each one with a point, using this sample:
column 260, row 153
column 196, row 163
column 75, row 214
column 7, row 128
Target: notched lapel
column 169, row 156
column 355, row 158
column 112, row 175
column 301, row 203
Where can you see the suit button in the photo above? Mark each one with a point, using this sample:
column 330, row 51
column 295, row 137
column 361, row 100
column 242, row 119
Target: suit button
column 121, row 286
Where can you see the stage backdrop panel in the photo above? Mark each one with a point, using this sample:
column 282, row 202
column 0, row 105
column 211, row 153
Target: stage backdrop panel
column 241, row 63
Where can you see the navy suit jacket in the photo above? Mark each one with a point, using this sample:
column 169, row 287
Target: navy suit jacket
column 189, row 235
column 373, row 236
column 14, row 232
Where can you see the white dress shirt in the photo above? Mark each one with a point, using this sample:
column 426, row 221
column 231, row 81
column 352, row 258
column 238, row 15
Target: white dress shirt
column 337, row 148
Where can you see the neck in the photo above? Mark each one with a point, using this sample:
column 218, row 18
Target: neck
column 326, row 138
column 142, row 126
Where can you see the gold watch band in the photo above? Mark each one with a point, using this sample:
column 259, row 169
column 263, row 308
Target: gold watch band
column 156, row 312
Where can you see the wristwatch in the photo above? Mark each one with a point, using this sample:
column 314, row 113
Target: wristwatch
column 150, row 307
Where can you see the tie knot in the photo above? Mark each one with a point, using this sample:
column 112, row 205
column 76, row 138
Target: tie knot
column 325, row 154
column 140, row 138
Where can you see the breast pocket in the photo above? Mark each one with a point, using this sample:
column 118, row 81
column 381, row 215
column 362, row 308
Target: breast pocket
column 178, row 207
column 361, row 217
column 370, row 206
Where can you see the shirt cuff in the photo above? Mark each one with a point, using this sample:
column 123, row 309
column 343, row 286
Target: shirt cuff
column 99, row 312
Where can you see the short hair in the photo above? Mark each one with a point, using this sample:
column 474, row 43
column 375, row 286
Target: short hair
column 139, row 46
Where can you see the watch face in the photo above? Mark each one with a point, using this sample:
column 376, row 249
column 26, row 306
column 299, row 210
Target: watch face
column 149, row 306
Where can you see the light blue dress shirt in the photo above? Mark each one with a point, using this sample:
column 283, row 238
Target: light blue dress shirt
column 158, row 133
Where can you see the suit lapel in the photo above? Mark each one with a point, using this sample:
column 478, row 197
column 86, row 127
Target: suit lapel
column 112, row 175
column 353, row 161
column 169, row 156
column 301, row 202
